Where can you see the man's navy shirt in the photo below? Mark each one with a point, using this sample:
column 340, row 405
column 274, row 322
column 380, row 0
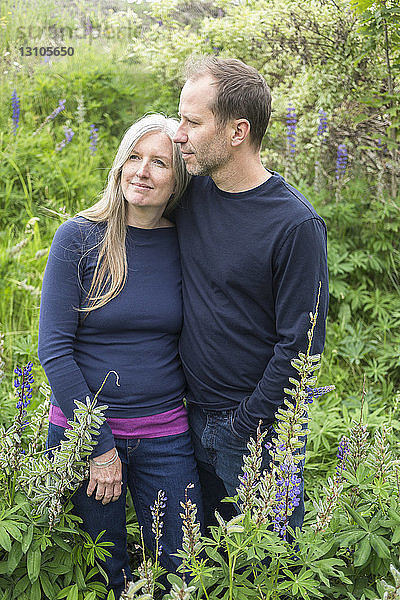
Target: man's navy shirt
column 251, row 266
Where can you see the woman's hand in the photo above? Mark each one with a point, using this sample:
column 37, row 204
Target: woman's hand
column 107, row 480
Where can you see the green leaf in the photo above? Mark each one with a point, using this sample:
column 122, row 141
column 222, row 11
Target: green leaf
column 35, row 593
column 33, row 560
column 379, row 545
column 27, row 539
column 396, row 536
column 47, row 586
column 73, row 593
column 13, row 530
column 359, row 519
column 362, row 552
column 5, row 540
column 14, row 557
column 20, row 586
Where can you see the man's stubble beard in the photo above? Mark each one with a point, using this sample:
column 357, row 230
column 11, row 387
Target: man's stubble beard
column 217, row 157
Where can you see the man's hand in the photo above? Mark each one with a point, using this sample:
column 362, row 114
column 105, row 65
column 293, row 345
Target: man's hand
column 108, row 480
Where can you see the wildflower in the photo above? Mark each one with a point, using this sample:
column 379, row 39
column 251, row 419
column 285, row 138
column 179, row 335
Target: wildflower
column 94, row 138
column 51, row 116
column 316, row 392
column 191, row 542
column 341, row 162
column 291, row 124
column 80, row 110
column 157, row 514
column 88, row 26
column 250, row 480
column 22, row 385
column 287, row 494
column 1, row 357
column 322, row 124
column 181, row 592
column 325, row 508
column 68, row 137
column 342, row 455
column 16, row 105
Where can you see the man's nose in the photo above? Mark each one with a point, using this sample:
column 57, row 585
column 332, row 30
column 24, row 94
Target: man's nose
column 180, row 136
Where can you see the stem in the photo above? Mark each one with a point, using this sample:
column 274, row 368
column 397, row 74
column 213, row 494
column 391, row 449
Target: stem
column 230, row 571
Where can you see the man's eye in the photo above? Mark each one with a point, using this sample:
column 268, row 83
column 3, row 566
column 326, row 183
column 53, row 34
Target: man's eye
column 133, row 157
column 159, row 162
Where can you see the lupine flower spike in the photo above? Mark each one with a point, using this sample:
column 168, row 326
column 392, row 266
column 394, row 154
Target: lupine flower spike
column 157, row 513
column 341, row 161
column 16, row 106
column 291, row 124
column 321, row 138
column 94, row 138
column 1, row 357
column 341, row 165
column 191, row 542
column 322, row 124
column 51, row 116
column 69, row 134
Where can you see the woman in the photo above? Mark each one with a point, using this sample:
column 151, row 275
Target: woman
column 111, row 300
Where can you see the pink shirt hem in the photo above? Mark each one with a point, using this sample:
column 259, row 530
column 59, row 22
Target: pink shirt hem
column 171, row 422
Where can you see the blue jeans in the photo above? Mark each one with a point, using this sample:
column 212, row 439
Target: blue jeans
column 219, row 454
column 148, row 465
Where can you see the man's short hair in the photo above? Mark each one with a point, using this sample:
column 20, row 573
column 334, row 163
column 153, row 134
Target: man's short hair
column 242, row 93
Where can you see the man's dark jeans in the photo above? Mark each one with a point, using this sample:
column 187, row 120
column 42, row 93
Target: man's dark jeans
column 219, row 454
column 149, row 465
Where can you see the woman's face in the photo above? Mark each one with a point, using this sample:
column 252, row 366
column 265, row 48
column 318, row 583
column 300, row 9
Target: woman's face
column 147, row 177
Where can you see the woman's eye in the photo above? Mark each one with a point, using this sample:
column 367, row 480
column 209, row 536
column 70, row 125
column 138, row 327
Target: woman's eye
column 133, row 157
column 159, row 162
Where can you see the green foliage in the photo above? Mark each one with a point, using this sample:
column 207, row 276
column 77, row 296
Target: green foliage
column 43, row 552
column 339, row 56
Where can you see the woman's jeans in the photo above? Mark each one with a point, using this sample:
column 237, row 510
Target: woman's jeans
column 148, row 465
column 219, row 454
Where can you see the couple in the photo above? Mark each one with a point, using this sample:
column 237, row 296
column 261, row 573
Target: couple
column 245, row 250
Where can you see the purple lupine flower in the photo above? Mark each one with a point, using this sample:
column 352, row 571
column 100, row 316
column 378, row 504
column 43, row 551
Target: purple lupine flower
column 88, row 26
column 94, row 138
column 16, row 106
column 68, row 137
column 157, row 512
column 291, row 124
column 343, row 455
column 341, row 161
column 316, row 392
column 160, row 23
column 216, row 50
column 52, row 115
column 22, row 385
column 56, row 111
column 322, row 123
column 287, row 495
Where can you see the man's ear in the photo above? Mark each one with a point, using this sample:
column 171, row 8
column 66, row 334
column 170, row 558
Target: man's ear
column 240, row 131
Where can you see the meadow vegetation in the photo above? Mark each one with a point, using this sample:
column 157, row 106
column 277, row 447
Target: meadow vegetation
column 333, row 67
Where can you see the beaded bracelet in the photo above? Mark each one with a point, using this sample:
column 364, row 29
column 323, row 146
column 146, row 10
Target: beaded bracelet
column 107, row 463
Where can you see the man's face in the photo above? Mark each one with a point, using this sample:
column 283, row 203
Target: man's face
column 205, row 147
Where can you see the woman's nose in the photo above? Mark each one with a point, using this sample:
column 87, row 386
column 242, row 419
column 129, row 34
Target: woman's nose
column 143, row 169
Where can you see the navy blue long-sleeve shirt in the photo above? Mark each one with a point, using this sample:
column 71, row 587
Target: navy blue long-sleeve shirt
column 135, row 334
column 251, row 266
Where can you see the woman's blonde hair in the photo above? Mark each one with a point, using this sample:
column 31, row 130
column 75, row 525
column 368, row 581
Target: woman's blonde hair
column 111, row 269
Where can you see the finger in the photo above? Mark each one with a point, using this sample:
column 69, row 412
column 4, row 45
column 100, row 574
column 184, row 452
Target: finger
column 108, row 494
column 91, row 487
column 100, row 491
column 117, row 491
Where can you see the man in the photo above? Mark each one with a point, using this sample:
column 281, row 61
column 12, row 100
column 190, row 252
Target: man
column 253, row 253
